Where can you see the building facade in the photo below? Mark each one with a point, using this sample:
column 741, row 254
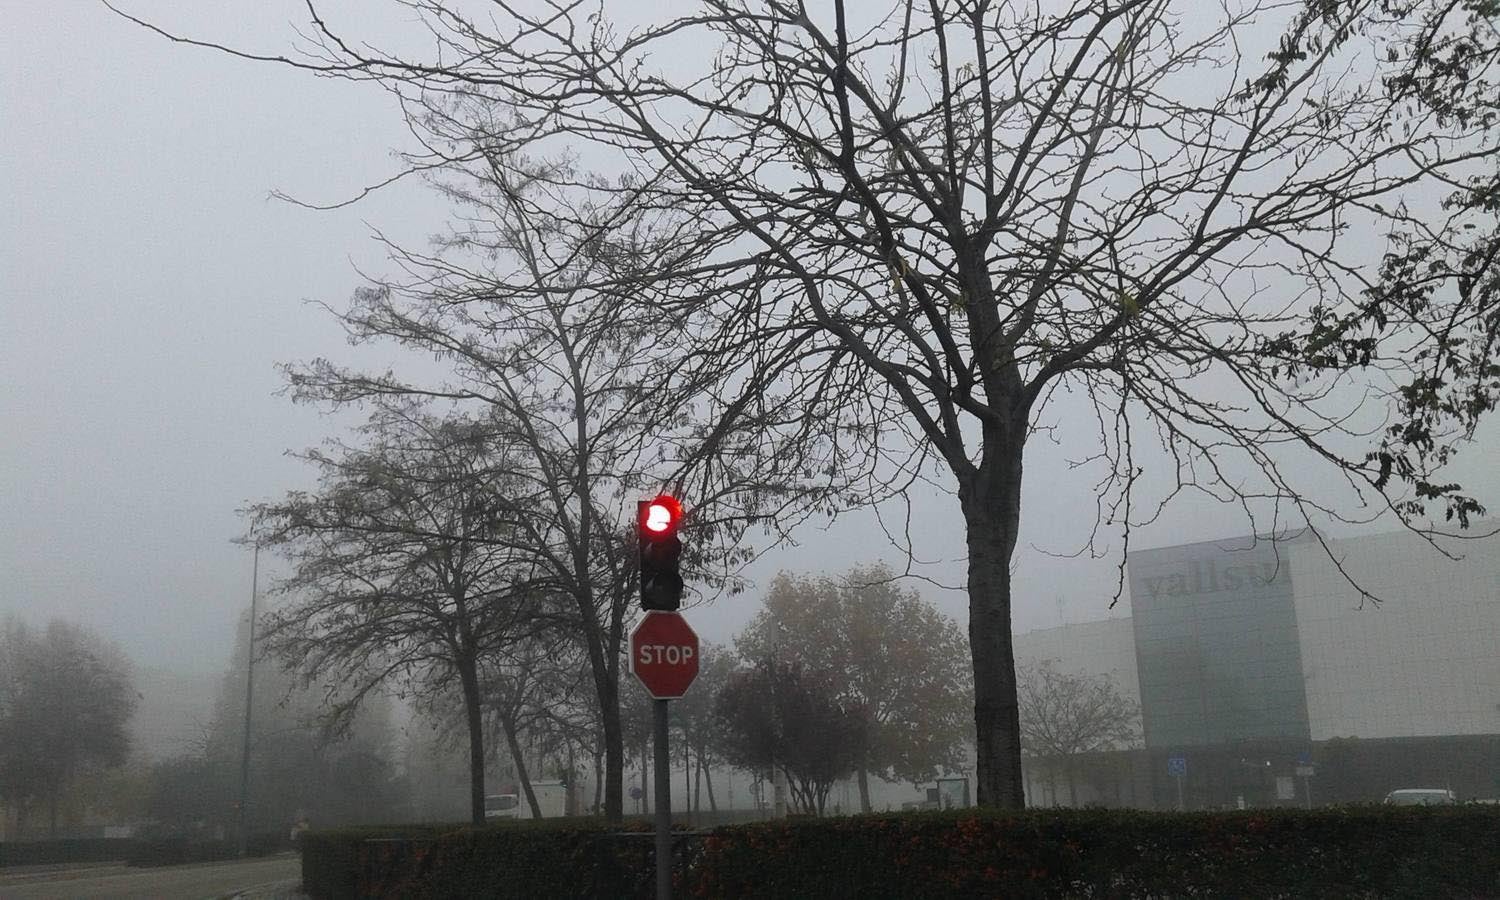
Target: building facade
column 1298, row 671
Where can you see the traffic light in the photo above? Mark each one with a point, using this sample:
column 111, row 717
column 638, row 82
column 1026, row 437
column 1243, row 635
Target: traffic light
column 660, row 552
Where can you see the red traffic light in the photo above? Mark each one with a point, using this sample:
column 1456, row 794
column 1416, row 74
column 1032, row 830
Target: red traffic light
column 659, row 517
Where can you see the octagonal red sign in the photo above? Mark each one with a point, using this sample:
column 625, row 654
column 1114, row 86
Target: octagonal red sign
column 664, row 654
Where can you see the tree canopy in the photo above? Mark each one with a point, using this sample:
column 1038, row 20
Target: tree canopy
column 406, row 572
column 66, row 697
column 780, row 716
column 886, row 652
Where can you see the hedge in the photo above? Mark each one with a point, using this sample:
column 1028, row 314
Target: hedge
column 330, row 858
column 1356, row 852
column 1348, row 852
column 551, row 858
column 176, row 849
column 64, row 850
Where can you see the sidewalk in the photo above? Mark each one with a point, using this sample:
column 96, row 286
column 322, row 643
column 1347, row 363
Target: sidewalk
column 285, row 890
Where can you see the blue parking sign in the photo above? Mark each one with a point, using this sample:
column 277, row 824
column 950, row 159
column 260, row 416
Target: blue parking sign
column 1177, row 766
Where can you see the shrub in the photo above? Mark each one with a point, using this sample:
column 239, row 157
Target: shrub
column 1357, row 852
column 331, row 858
column 1351, row 852
column 64, row 850
column 551, row 858
column 265, row 843
column 174, row 850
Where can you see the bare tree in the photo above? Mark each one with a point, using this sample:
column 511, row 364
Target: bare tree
column 404, row 571
column 1066, row 714
column 915, row 228
column 701, row 731
column 636, row 723
column 536, row 689
column 508, row 301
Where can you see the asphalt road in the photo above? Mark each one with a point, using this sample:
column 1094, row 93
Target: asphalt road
column 263, row 879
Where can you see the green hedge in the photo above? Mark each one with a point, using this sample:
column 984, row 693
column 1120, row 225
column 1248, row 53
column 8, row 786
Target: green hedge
column 552, row 858
column 177, row 849
column 64, row 850
column 331, row 858
column 574, row 857
column 1346, row 852
column 1352, row 852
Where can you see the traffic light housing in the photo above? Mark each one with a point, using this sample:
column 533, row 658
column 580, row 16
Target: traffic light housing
column 660, row 553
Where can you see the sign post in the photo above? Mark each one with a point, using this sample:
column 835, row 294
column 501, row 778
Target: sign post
column 1177, row 768
column 1305, row 773
column 663, row 802
column 664, row 658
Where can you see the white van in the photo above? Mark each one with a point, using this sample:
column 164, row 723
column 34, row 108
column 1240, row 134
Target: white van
column 1421, row 797
column 501, row 806
column 551, row 798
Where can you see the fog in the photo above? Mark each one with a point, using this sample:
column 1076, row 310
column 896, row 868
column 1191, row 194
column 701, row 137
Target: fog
column 150, row 285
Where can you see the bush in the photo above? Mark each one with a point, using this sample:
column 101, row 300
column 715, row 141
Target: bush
column 1356, row 852
column 331, row 858
column 177, row 849
column 265, row 843
column 551, row 858
column 570, row 857
column 1352, row 852
column 68, row 850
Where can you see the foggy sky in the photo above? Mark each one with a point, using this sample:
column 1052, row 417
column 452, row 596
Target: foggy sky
column 148, row 287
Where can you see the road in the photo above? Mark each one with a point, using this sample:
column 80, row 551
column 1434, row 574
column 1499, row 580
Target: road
column 263, row 879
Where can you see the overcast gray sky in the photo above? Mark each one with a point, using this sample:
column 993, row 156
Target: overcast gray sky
column 148, row 287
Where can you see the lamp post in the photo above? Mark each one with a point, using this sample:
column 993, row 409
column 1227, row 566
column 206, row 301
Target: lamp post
column 249, row 696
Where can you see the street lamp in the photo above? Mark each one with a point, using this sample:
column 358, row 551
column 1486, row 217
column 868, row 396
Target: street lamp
column 249, row 697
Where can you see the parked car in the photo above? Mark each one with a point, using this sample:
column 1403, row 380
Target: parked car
column 501, row 806
column 1421, row 797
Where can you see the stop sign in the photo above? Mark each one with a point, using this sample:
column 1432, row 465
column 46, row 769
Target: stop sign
column 664, row 654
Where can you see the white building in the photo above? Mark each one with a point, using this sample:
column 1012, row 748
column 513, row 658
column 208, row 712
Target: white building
column 1243, row 648
column 1423, row 660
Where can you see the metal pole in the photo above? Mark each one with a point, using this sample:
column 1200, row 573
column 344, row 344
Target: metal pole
column 1179, row 794
column 249, row 695
column 663, row 803
column 1307, row 790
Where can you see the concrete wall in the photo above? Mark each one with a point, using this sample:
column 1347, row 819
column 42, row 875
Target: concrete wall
column 1104, row 647
column 1424, row 661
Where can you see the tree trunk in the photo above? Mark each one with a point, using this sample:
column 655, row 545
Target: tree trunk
column 598, row 783
column 708, row 781
column 468, row 677
column 991, row 502
column 645, row 778
column 607, row 689
column 508, row 725
column 52, row 812
column 1072, row 785
column 698, row 785
column 864, row 790
column 571, row 794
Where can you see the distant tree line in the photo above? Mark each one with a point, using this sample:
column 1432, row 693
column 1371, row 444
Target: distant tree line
column 301, row 762
column 67, row 767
